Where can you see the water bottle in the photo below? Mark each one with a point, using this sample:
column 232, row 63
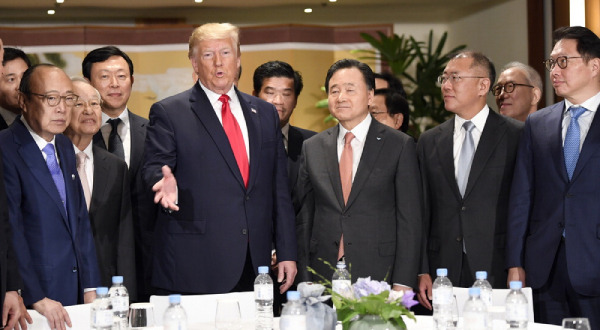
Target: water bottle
column 102, row 312
column 341, row 282
column 517, row 307
column 442, row 300
column 293, row 315
column 175, row 317
column 485, row 288
column 475, row 313
column 263, row 297
column 119, row 297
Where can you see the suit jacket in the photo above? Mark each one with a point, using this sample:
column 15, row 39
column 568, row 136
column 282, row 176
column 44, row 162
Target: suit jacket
column 544, row 203
column 202, row 248
column 3, row 124
column 142, row 202
column 112, row 224
column 10, row 280
column 54, row 246
column 296, row 137
column 478, row 218
column 381, row 221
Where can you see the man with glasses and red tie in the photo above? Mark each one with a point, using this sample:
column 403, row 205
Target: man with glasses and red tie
column 553, row 241
column 518, row 91
column 466, row 167
column 47, row 211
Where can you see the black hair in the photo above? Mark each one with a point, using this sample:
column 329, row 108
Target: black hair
column 395, row 103
column 100, row 55
column 482, row 61
column 11, row 54
column 588, row 43
column 277, row 69
column 347, row 64
column 394, row 82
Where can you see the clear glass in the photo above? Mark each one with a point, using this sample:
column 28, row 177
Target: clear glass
column 580, row 323
column 228, row 314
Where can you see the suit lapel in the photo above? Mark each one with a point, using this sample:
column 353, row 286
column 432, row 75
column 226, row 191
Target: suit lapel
column 332, row 163
column 493, row 132
column 293, row 153
column 254, row 136
column 590, row 146
column 204, row 111
column 101, row 172
column 99, row 140
column 138, row 136
column 373, row 143
column 552, row 132
column 66, row 154
column 445, row 146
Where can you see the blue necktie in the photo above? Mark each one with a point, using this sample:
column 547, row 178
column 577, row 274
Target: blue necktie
column 572, row 140
column 57, row 175
column 465, row 158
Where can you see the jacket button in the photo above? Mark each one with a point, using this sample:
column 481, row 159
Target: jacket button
column 244, row 231
column 74, row 269
column 464, row 208
column 459, row 238
column 247, row 197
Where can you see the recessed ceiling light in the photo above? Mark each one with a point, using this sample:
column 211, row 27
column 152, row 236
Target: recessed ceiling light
column 51, row 12
column 332, row 0
column 60, row 1
column 197, row 1
column 308, row 10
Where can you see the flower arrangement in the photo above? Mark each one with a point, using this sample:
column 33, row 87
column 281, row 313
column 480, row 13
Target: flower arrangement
column 371, row 297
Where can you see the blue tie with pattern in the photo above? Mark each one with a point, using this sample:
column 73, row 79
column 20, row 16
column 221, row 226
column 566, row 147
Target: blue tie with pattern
column 572, row 140
column 57, row 175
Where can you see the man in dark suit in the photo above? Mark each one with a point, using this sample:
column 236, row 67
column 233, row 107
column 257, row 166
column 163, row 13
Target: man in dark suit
column 466, row 166
column 554, row 223
column 15, row 63
column 216, row 160
column 358, row 190
column 47, row 211
column 105, row 183
column 123, row 133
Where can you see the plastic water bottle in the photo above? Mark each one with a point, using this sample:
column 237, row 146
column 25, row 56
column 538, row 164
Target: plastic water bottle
column 119, row 298
column 517, row 307
column 175, row 317
column 341, row 282
column 485, row 288
column 263, row 297
column 475, row 313
column 293, row 315
column 102, row 312
column 442, row 300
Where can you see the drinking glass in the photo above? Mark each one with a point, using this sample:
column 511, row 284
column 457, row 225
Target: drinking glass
column 580, row 323
column 228, row 314
column 141, row 315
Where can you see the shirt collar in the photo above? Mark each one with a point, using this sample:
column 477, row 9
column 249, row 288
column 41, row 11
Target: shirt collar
column 360, row 131
column 590, row 104
column 214, row 97
column 479, row 119
column 87, row 151
column 124, row 116
column 285, row 130
column 41, row 143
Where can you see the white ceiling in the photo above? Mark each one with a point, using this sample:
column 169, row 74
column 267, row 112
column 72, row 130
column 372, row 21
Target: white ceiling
column 238, row 11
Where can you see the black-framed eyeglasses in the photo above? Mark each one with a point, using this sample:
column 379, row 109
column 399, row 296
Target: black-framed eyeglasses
column 562, row 62
column 509, row 87
column 53, row 99
column 453, row 78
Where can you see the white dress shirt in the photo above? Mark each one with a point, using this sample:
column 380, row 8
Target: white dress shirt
column 585, row 120
column 123, row 130
column 358, row 143
column 459, row 133
column 41, row 142
column 89, row 164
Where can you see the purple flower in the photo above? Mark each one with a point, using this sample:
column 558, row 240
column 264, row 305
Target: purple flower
column 364, row 287
column 407, row 299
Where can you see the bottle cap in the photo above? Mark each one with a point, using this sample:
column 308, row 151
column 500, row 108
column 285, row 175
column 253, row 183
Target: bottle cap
column 174, row 299
column 481, row 275
column 474, row 292
column 340, row 265
column 515, row 285
column 293, row 295
column 101, row 290
column 263, row 269
column 117, row 279
column 442, row 272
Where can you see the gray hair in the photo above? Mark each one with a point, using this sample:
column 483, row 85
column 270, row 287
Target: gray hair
column 532, row 76
column 85, row 81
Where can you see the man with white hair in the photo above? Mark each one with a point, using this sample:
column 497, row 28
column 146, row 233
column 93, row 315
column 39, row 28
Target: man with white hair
column 518, row 91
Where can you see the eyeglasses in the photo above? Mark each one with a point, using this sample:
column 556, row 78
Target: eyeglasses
column 80, row 104
column 509, row 87
column 454, row 78
column 562, row 62
column 53, row 99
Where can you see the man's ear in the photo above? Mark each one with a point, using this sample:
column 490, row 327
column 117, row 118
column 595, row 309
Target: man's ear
column 398, row 119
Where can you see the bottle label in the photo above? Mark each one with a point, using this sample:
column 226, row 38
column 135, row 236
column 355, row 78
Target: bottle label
column 292, row 322
column 516, row 312
column 120, row 304
column 263, row 292
column 342, row 287
column 442, row 296
column 102, row 318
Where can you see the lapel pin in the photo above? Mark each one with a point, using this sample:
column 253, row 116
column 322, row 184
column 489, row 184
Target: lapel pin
column 253, row 110
column 72, row 176
column 378, row 138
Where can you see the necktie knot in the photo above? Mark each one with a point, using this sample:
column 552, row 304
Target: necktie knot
column 348, row 138
column 468, row 126
column 49, row 150
column 81, row 158
column 114, row 123
column 576, row 112
column 224, row 98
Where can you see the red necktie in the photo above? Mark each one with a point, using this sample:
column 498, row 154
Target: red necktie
column 346, row 177
column 234, row 134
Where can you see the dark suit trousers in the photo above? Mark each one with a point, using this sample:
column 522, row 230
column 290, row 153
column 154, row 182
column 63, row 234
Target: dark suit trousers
column 557, row 299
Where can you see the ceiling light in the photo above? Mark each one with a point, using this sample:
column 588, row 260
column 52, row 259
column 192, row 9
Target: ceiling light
column 332, row 0
column 197, row 1
column 51, row 12
column 308, row 10
column 60, row 1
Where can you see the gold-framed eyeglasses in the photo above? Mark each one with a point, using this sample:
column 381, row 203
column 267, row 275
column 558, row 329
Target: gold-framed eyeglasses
column 53, row 99
column 509, row 87
column 562, row 62
column 453, row 78
column 92, row 104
